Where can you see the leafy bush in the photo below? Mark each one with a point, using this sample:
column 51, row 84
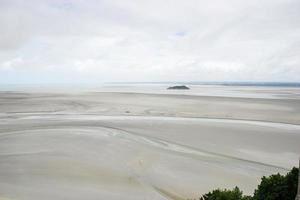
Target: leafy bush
column 274, row 187
column 278, row 187
column 235, row 194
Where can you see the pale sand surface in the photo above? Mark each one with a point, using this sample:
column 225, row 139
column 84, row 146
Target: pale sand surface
column 112, row 145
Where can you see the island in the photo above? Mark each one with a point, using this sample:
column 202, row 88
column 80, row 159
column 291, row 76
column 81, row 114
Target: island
column 178, row 87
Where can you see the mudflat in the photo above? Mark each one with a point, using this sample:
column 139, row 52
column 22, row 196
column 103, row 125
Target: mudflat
column 144, row 143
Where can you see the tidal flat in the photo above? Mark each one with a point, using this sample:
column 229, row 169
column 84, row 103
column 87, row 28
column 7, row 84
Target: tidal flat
column 143, row 142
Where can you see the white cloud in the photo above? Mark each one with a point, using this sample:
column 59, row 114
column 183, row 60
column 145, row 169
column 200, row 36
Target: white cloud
column 134, row 40
column 12, row 64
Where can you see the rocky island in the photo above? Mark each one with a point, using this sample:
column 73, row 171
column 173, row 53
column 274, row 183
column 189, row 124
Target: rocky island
column 178, row 87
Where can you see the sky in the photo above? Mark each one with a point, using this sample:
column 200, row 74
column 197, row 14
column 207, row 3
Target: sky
column 96, row 41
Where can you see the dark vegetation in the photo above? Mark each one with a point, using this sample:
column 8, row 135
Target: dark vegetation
column 274, row 187
column 178, row 87
column 234, row 194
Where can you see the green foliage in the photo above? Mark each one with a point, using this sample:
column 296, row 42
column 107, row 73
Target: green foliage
column 278, row 187
column 235, row 194
column 274, row 187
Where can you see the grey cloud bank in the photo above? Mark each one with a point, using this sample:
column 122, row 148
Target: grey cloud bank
column 97, row 41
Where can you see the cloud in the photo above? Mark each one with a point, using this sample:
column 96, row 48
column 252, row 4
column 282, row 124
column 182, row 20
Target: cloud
column 135, row 40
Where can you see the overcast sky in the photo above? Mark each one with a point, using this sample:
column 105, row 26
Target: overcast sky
column 64, row 41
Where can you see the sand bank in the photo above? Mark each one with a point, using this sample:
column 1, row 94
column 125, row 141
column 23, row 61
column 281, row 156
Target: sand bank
column 112, row 145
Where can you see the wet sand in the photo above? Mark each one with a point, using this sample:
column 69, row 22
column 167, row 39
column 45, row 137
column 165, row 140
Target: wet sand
column 134, row 145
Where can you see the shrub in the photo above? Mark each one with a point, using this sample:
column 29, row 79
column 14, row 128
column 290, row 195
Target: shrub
column 274, row 187
column 278, row 187
column 235, row 194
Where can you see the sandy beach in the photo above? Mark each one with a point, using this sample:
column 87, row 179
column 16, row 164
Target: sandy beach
column 144, row 142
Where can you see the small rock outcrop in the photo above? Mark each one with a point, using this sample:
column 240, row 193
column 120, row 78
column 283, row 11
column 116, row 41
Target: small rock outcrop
column 178, row 87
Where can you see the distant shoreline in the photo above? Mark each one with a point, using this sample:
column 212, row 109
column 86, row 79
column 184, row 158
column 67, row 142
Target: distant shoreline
column 264, row 84
column 167, row 83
